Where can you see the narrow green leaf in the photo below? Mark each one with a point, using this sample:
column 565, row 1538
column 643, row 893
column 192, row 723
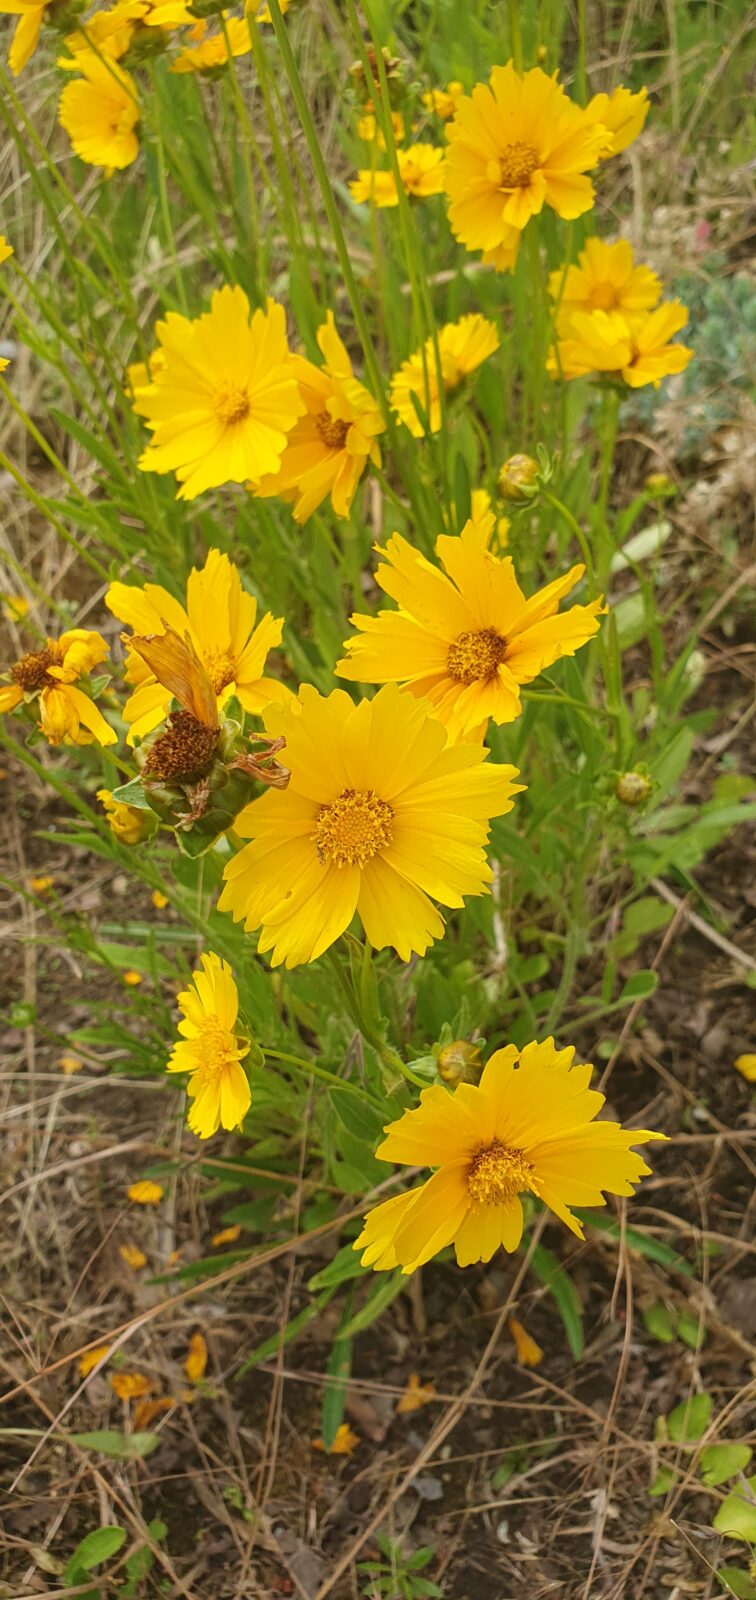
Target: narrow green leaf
column 95, row 1547
column 381, row 1295
column 567, row 1300
column 659, row 1324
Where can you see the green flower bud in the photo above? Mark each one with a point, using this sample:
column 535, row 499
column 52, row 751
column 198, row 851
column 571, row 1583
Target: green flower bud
column 632, row 788
column 459, row 1062
column 518, row 479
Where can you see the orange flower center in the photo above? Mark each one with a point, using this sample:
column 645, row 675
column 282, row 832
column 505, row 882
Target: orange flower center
column 31, row 672
column 220, row 667
column 216, row 1049
column 604, row 297
column 515, row 166
column 497, row 1173
column 475, row 656
column 332, row 430
column 352, row 829
column 231, row 404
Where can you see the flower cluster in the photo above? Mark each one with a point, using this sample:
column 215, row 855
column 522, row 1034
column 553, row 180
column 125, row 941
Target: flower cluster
column 609, row 319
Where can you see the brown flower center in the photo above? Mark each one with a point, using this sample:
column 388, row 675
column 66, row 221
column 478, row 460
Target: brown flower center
column 353, row 828
column 231, row 404
column 497, row 1173
column 31, row 672
column 516, row 164
column 184, row 752
column 475, row 656
column 332, row 430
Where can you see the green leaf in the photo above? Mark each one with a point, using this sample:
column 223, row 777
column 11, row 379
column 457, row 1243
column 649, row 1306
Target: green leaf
column 358, row 1118
column 722, row 1461
column 663, row 1482
column 121, row 1446
column 380, row 1296
column 635, row 1239
column 659, row 1323
column 689, row 1421
column 132, row 794
column 346, row 1264
column 271, row 1346
column 338, row 1369
column 736, row 1517
column 690, row 1330
column 560, row 1285
column 735, row 1580
column 639, row 986
column 95, row 1547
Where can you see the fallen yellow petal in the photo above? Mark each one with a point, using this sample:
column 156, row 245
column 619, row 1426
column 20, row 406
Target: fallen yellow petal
column 196, row 1361
column 132, row 978
column 416, row 1394
column 130, row 1385
column 746, row 1066
column 145, row 1193
column 343, row 1444
column 133, row 1256
column 529, row 1353
column 87, row 1362
column 159, row 900
column 41, row 885
column 69, row 1063
column 227, row 1235
column 147, row 1410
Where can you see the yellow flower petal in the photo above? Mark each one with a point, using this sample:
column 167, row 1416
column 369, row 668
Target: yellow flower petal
column 145, row 1192
column 196, row 1360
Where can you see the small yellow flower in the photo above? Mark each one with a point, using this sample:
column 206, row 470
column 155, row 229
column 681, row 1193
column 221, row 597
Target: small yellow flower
column 622, row 114
column 132, row 978
column 529, row 1352
column 344, row 1443
column 41, row 885
column 106, row 33
column 421, row 169
column 463, row 346
column 638, row 351
column 67, row 714
column 15, row 606
column 606, row 278
column 133, row 1256
column 368, row 129
column 86, row 1362
column 100, row 112
column 329, row 447
column 6, row 251
column 211, row 1050
column 227, row 1235
column 415, row 1396
column 222, row 406
column 529, row 1127
column 746, row 1066
column 129, row 824
column 514, row 147
column 145, row 1192
column 196, row 1360
column 4, row 363
column 211, row 50
column 130, row 1385
column 261, row 11
column 159, row 900
column 69, row 1063
column 465, row 638
column 443, row 102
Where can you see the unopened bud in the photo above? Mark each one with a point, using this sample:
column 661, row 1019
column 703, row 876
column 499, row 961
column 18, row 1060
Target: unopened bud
column 659, row 483
column 128, row 824
column 632, row 788
column 459, row 1062
column 518, row 479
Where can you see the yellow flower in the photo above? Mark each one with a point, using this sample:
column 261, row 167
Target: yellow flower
column 210, row 50
column 380, row 815
column 220, row 618
column 130, row 1385
column 420, row 169
column 463, row 346
column 67, row 714
column 227, row 1235
column 226, row 400
column 606, row 278
column 443, row 102
column 528, row 1128
column 90, row 1359
column 466, row 638
column 100, row 111
column 145, row 1192
column 106, row 33
column 69, row 1063
column 637, row 351
column 132, row 978
column 128, row 824
column 529, row 1352
column 133, row 1256
column 343, row 1444
column 503, row 256
column 261, row 11
column 746, row 1066
column 41, row 885
column 4, row 363
column 368, row 129
column 196, row 1360
column 6, row 249
column 159, row 900
column 622, row 114
column 30, row 15
column 140, row 374
column 513, row 148
column 329, row 447
column 15, row 607
column 211, row 1050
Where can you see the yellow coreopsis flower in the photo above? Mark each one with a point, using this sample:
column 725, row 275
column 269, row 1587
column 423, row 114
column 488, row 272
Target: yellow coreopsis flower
column 26, row 34
column 638, row 351
column 210, row 50
column 100, row 112
column 380, row 815
column 421, row 169
column 261, row 11
column 330, row 446
column 106, row 33
column 606, row 278
column 464, row 638
column 443, row 102
column 67, row 714
column 514, row 147
column 622, row 114
column 6, row 249
column 129, row 824
column 529, row 1127
column 211, row 1051
column 220, row 618
column 462, row 346
column 222, row 406
column 368, row 129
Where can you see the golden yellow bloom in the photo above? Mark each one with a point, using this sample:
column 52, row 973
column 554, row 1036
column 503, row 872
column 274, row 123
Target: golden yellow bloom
column 513, row 148
column 529, row 1352
column 133, row 1256
column 343, row 1444
column 129, row 824
column 70, row 1063
column 329, row 447
column 100, row 111
column 464, row 638
column 528, row 1128
column 196, row 1360
column 42, row 885
column 6, row 249
column 224, row 403
column 210, row 50
column 421, row 169
column 381, row 813
column 415, row 1396
column 145, row 1192
column 463, row 346
column 67, row 715
column 638, row 351
column 132, row 978
column 211, row 1050
column 622, row 114
column 368, row 129
column 30, row 15
column 130, row 1385
column 220, row 617
column 90, row 1359
column 443, row 102
column 159, row 900
column 106, row 33
column 227, row 1235
column 606, row 278
column 746, row 1066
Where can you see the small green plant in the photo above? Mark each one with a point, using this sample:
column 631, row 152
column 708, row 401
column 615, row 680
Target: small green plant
column 709, row 1467
column 396, row 1576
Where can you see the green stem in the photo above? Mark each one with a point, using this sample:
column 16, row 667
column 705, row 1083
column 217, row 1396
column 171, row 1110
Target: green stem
column 513, row 7
column 353, row 1002
column 575, row 528
column 311, row 1069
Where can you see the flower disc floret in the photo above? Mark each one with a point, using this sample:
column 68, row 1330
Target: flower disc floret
column 353, row 828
